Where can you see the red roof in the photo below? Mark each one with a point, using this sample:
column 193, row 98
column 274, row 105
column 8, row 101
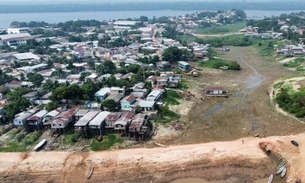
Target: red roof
column 15, row 82
column 151, row 78
column 130, row 98
column 113, row 116
column 158, row 87
column 128, row 115
column 65, row 114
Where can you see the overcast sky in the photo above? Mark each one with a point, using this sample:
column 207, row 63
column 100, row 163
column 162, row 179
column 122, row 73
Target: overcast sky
column 111, row 1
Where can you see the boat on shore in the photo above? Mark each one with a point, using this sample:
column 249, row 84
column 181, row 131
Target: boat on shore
column 280, row 165
column 280, row 170
column 90, row 173
column 40, row 144
column 270, row 179
column 284, row 172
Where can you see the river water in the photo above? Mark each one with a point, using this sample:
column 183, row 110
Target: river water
column 55, row 17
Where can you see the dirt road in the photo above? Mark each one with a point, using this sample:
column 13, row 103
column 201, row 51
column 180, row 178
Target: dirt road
column 242, row 158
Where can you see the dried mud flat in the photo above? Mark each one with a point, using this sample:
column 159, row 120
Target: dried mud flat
column 247, row 111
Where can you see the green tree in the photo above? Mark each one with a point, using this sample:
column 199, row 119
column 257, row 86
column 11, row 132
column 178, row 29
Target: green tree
column 35, row 78
column 89, row 89
column 137, row 109
column 50, row 85
column 110, row 104
column 17, row 93
column 172, row 54
column 109, row 67
column 51, row 106
column 15, row 107
column 143, row 18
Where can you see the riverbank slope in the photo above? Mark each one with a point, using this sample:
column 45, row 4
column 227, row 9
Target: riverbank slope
column 242, row 158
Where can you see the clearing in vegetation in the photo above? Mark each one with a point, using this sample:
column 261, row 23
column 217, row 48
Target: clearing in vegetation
column 217, row 63
column 222, row 29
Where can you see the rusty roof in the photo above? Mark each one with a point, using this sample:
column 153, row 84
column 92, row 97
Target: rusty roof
column 127, row 115
column 114, row 116
column 130, row 98
column 65, row 114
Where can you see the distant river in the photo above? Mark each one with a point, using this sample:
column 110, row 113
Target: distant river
column 6, row 19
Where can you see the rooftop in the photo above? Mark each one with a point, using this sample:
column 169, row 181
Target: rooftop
column 26, row 56
column 129, row 98
column 143, row 103
column 102, row 92
column 38, row 115
column 183, row 63
column 114, row 116
column 125, row 22
column 98, row 119
column 81, row 112
column 83, row 121
column 213, row 88
column 14, row 36
column 116, row 97
column 53, row 113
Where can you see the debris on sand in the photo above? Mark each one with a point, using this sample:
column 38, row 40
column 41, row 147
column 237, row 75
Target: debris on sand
column 90, row 173
column 160, row 145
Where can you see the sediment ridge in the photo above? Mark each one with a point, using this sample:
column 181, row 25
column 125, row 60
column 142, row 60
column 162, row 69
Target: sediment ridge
column 243, row 158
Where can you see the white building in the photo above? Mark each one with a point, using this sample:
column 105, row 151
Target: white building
column 15, row 39
column 17, row 30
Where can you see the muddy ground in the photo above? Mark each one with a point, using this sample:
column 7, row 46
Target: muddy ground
column 247, row 111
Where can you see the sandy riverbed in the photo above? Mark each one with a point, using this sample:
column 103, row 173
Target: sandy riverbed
column 212, row 161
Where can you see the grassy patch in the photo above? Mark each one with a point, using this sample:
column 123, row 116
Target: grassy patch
column 21, row 144
column 295, row 63
column 171, row 97
column 278, row 85
column 183, row 85
column 216, row 63
column 265, row 47
column 106, row 143
column 166, row 115
column 233, row 40
column 187, row 38
column 222, row 29
column 70, row 139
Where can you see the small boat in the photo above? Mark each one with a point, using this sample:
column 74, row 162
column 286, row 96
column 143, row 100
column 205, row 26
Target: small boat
column 270, row 179
column 40, row 144
column 284, row 172
column 90, row 173
column 280, row 170
column 280, row 165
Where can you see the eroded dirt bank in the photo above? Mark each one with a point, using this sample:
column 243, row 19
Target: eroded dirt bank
column 212, row 161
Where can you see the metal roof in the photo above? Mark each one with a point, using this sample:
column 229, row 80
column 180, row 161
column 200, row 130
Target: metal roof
column 183, row 63
column 26, row 56
column 98, row 119
column 38, row 115
column 52, row 113
column 143, row 103
column 81, row 112
column 14, row 36
column 83, row 121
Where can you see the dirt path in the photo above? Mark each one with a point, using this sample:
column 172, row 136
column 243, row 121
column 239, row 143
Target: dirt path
column 242, row 158
column 217, row 35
